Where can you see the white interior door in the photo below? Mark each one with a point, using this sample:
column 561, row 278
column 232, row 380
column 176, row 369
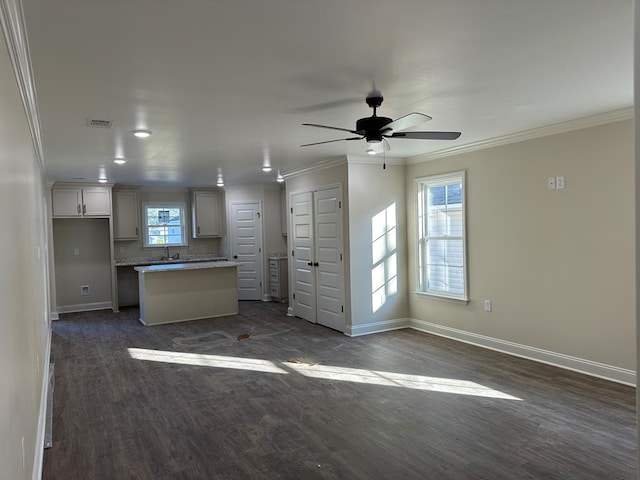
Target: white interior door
column 246, row 248
column 328, row 258
column 317, row 257
column 304, row 281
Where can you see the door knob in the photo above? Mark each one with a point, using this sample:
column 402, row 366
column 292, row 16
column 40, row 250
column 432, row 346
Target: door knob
column 316, row 264
column 310, row 264
column 235, row 256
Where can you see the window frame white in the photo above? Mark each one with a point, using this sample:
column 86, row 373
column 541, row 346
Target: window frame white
column 422, row 185
column 165, row 205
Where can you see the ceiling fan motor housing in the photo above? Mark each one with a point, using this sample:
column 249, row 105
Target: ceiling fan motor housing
column 371, row 127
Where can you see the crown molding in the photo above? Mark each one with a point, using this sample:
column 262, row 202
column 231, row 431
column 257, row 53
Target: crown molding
column 556, row 128
column 377, row 160
column 15, row 36
column 333, row 162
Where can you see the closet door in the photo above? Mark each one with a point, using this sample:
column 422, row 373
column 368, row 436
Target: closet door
column 317, row 257
column 304, row 279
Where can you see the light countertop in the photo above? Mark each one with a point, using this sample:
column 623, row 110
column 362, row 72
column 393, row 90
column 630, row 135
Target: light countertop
column 185, row 266
column 132, row 262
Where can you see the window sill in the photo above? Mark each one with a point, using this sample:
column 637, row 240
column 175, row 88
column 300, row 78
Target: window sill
column 459, row 301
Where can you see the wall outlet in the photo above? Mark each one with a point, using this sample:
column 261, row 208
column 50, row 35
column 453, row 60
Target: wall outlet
column 121, row 249
column 76, row 251
column 84, row 290
column 487, row 305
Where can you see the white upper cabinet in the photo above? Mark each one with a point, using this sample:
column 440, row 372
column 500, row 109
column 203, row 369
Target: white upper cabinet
column 126, row 215
column 206, row 217
column 85, row 201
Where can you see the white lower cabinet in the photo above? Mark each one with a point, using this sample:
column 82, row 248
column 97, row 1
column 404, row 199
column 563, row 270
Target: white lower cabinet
column 279, row 279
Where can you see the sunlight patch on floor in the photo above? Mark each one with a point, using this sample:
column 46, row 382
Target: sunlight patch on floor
column 204, row 360
column 417, row 382
column 327, row 372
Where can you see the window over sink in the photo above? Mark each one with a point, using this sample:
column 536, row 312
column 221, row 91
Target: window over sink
column 164, row 224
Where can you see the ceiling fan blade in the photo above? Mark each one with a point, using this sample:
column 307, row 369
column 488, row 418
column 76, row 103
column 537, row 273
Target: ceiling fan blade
column 426, row 135
column 331, row 128
column 330, row 141
column 326, row 105
column 408, row 121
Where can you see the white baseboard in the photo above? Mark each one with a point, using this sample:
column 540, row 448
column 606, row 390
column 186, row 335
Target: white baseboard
column 596, row 369
column 377, row 327
column 42, row 416
column 266, row 297
column 55, row 316
column 290, row 311
column 84, row 307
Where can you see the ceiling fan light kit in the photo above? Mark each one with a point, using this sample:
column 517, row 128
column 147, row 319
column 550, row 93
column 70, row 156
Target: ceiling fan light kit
column 376, row 129
column 142, row 133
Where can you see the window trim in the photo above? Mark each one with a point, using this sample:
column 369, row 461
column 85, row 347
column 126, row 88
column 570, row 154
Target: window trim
column 424, row 183
column 183, row 223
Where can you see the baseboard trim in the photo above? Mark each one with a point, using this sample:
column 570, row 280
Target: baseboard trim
column 38, row 458
column 588, row 367
column 377, row 327
column 55, row 316
column 266, row 298
column 84, row 307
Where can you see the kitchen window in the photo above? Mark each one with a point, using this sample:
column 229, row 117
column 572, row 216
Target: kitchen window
column 441, row 228
column 164, row 225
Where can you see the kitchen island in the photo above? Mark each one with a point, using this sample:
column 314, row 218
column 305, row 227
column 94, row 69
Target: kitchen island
column 181, row 292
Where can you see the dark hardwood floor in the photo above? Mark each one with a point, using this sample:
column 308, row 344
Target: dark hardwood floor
column 151, row 413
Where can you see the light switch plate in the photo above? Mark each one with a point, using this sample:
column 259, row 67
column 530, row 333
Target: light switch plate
column 559, row 182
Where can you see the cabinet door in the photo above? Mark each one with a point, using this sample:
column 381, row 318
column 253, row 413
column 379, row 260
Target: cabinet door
column 96, row 201
column 206, row 214
column 67, row 202
column 126, row 218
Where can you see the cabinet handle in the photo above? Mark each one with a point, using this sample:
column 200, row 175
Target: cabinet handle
column 198, row 230
column 78, row 209
column 84, row 209
column 136, row 231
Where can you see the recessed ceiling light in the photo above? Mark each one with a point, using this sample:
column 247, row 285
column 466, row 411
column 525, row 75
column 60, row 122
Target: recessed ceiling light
column 220, row 184
column 266, row 168
column 142, row 133
column 120, row 161
column 279, row 178
column 371, row 151
column 102, row 180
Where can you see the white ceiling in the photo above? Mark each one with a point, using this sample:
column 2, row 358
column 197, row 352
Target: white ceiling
column 221, row 83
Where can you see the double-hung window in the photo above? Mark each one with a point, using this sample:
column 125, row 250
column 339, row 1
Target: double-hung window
column 441, row 236
column 164, row 225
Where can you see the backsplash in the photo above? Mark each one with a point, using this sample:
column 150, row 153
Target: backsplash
column 133, row 249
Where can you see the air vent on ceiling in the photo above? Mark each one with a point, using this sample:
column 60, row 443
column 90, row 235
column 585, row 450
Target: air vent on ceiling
column 95, row 123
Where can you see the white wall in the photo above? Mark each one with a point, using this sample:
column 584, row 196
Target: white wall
column 24, row 307
column 559, row 265
column 372, row 190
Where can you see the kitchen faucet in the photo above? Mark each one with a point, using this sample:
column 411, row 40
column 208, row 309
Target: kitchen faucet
column 174, row 257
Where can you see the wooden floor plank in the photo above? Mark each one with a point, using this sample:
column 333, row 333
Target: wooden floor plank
column 117, row 417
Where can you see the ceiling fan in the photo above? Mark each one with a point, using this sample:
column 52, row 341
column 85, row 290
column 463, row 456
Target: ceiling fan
column 377, row 129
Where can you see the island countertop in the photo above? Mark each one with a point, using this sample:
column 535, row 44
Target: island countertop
column 184, row 266
column 133, row 262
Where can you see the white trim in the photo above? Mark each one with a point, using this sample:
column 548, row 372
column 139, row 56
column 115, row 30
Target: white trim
column 313, row 168
column 84, row 307
column 568, row 362
column 377, row 327
column 55, row 316
column 38, row 455
column 15, row 36
column 554, row 129
column 290, row 311
column 191, row 319
column 376, row 160
column 267, row 298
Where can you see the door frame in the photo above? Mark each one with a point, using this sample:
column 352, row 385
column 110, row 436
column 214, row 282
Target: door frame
column 291, row 263
column 261, row 255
